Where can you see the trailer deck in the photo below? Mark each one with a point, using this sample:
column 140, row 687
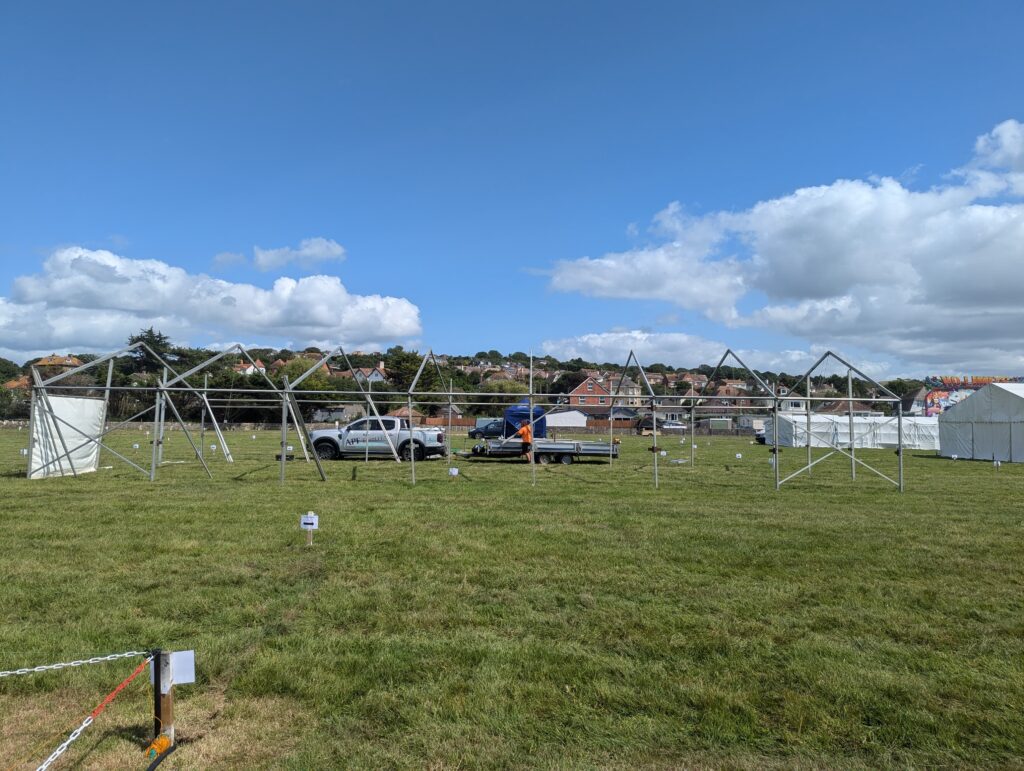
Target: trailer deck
column 547, row 450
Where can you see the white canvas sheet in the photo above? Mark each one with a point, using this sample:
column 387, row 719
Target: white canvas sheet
column 869, row 432
column 86, row 417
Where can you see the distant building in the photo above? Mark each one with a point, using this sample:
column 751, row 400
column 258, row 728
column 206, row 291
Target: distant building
column 18, row 384
column 590, row 393
column 249, row 368
column 58, row 362
column 914, row 401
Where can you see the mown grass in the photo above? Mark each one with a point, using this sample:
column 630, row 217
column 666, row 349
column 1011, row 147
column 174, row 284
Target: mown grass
column 480, row 622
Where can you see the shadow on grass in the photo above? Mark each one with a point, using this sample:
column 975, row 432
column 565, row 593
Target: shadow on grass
column 138, row 735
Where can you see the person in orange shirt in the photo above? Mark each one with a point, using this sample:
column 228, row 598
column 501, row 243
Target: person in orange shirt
column 526, row 434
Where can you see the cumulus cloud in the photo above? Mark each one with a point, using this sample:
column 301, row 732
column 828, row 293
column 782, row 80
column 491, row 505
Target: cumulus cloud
column 93, row 299
column 930, row 276
column 310, row 252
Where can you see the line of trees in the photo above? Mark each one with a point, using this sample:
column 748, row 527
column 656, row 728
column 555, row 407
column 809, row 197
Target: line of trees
column 142, row 369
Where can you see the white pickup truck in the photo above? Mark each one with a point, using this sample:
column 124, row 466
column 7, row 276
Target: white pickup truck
column 369, row 437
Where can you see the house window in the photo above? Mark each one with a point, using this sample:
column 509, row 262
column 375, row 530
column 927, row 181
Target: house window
column 583, row 400
column 600, row 400
column 590, row 386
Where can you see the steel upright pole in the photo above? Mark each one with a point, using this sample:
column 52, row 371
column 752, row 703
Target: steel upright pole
column 899, row 444
column 163, row 419
column 693, row 429
column 775, row 438
column 849, row 412
column 202, row 415
column 156, row 435
column 533, row 454
column 412, row 444
column 448, row 437
column 284, row 428
column 611, row 431
column 808, row 422
column 654, row 433
column 106, row 398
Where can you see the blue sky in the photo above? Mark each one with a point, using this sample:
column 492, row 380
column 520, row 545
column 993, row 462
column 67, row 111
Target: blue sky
column 575, row 178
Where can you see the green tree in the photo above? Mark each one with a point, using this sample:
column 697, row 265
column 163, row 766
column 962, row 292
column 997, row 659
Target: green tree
column 402, row 365
column 158, row 343
column 8, row 370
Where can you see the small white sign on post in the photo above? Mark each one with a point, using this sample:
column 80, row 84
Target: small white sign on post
column 309, row 522
column 135, row 446
column 254, row 436
column 739, row 456
column 663, row 453
column 453, row 472
column 289, row 448
column 213, row 448
column 179, row 669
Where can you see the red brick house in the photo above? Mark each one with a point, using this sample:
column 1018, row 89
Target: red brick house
column 590, row 393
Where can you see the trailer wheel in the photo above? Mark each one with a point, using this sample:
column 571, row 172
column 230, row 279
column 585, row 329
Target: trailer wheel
column 544, row 459
column 565, row 460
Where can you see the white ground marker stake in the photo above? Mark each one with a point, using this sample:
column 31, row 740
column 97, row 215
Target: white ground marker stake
column 309, row 522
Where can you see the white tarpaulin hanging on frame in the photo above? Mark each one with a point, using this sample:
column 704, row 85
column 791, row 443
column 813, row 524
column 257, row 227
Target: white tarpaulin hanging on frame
column 75, row 419
column 869, row 432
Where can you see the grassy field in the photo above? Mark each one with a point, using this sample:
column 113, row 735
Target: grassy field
column 587, row 621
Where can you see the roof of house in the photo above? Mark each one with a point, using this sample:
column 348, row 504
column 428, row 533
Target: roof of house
column 403, row 412
column 53, row 360
column 728, row 390
column 597, row 390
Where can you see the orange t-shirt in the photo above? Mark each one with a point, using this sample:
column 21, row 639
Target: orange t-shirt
column 526, row 433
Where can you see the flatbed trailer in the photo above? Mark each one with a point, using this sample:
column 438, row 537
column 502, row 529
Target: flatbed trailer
column 547, row 450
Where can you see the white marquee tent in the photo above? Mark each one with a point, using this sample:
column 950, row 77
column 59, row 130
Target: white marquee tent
column 987, row 426
column 869, row 432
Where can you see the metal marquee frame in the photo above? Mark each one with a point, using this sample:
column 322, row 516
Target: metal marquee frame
column 288, row 400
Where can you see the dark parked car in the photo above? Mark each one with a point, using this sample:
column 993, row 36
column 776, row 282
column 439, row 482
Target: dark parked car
column 645, row 426
column 492, row 430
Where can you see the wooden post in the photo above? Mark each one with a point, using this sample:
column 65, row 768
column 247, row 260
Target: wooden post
column 163, row 703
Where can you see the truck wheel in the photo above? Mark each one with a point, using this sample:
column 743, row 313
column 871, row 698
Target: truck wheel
column 544, row 459
column 327, row 451
column 405, row 453
column 565, row 460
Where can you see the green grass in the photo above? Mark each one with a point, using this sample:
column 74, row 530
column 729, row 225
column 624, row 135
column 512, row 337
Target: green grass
column 589, row 621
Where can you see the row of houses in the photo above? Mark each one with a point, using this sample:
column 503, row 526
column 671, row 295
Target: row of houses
column 361, row 374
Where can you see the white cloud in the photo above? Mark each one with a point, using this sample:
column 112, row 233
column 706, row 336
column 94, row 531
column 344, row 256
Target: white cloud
column 932, row 276
column 682, row 350
column 93, row 299
column 310, row 252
